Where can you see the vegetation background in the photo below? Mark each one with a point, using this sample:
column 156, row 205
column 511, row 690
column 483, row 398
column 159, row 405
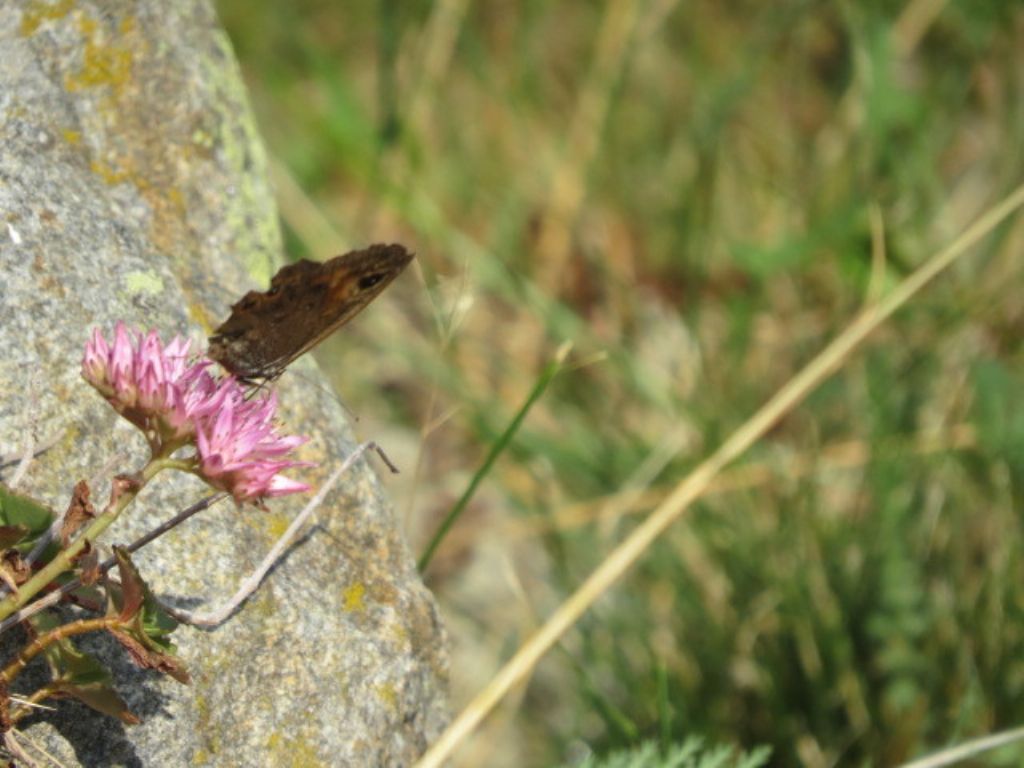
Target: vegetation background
column 699, row 195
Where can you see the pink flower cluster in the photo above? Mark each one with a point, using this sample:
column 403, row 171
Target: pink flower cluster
column 175, row 401
column 239, row 449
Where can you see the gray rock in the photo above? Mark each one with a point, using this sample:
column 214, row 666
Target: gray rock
column 133, row 186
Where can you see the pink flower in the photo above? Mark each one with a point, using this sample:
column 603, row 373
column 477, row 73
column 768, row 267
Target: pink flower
column 176, row 401
column 146, row 382
column 239, row 449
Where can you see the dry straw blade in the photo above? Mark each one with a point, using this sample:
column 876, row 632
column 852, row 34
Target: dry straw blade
column 971, row 749
column 691, row 487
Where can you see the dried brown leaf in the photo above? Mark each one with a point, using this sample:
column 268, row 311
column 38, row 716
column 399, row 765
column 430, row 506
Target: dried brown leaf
column 149, row 659
column 89, row 562
column 80, row 511
column 14, row 568
column 121, row 484
column 133, row 589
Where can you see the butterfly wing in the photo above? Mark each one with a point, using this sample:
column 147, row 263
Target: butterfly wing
column 347, row 285
column 307, row 301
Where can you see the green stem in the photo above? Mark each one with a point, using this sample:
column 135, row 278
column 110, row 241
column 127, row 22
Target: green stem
column 27, row 704
column 64, row 559
column 44, row 641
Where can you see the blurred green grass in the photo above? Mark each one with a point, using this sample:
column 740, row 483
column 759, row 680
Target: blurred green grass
column 699, row 195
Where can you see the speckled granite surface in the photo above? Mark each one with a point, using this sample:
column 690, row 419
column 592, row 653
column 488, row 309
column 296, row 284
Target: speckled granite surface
column 133, row 186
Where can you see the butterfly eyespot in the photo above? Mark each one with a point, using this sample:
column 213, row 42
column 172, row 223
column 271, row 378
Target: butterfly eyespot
column 369, row 281
column 306, row 302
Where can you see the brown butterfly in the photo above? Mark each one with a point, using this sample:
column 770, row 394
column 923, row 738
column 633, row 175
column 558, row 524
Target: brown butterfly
column 306, row 303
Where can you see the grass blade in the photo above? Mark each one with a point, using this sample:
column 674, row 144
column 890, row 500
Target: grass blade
column 549, row 373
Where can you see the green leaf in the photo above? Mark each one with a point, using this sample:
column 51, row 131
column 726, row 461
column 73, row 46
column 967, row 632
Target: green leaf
column 138, row 600
column 65, row 659
column 101, row 697
column 78, row 675
column 158, row 624
column 17, row 509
